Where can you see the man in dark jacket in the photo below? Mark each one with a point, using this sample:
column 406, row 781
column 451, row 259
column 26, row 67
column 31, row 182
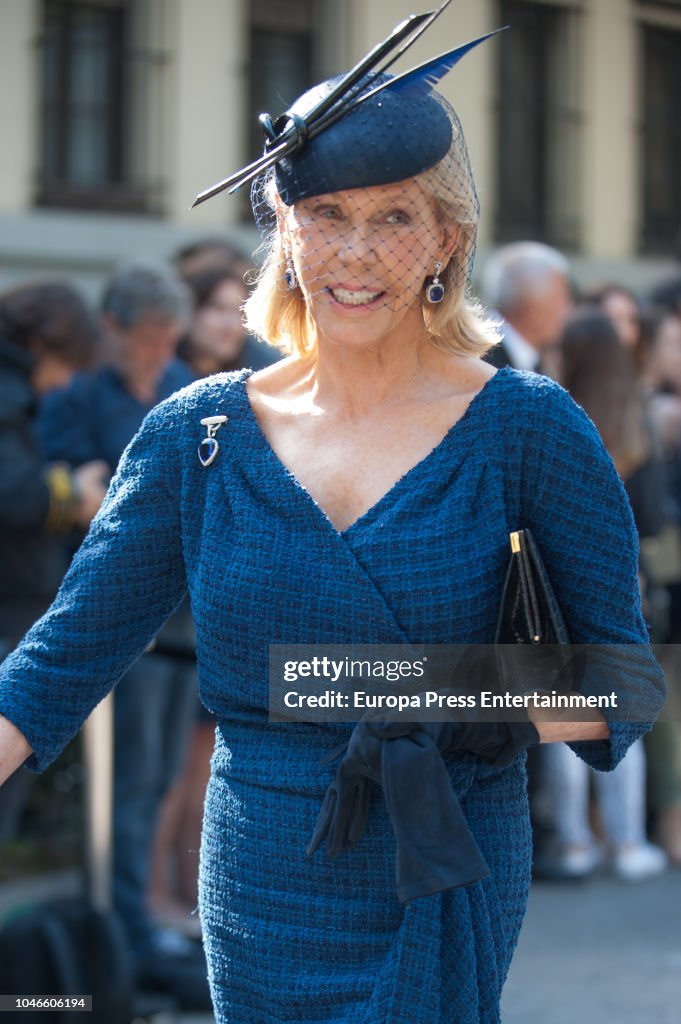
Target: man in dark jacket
column 529, row 285
column 46, row 334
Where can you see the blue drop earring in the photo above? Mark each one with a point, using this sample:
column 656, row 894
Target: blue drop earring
column 435, row 292
column 290, row 275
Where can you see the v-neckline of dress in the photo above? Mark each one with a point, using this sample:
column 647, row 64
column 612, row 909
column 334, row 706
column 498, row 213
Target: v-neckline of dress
column 278, row 466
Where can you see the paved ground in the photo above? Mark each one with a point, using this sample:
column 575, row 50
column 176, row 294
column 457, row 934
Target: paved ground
column 599, row 953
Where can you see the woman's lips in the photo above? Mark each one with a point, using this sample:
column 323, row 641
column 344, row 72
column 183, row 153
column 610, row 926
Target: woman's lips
column 352, row 298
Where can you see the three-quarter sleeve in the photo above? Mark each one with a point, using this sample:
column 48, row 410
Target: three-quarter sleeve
column 576, row 506
column 124, row 582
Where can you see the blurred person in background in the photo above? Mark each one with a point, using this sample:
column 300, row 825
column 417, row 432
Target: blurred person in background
column 47, row 333
column 625, row 311
column 667, row 295
column 662, row 370
column 529, row 285
column 217, row 339
column 144, row 310
column 662, row 381
column 208, row 252
column 599, row 373
column 661, row 557
column 661, row 376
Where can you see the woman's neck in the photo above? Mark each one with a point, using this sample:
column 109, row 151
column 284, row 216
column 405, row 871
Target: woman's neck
column 352, row 381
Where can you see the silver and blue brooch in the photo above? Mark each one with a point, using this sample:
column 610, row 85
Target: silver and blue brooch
column 209, row 447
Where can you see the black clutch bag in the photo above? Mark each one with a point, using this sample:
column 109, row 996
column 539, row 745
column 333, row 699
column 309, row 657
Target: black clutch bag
column 529, row 612
column 530, row 615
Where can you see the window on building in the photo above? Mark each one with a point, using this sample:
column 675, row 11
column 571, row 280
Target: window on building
column 100, row 144
column 661, row 140
column 283, row 38
column 538, row 125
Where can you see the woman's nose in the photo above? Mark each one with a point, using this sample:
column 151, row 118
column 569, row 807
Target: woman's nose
column 358, row 243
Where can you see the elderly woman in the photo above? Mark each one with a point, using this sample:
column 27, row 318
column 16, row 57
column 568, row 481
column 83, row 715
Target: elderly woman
column 360, row 491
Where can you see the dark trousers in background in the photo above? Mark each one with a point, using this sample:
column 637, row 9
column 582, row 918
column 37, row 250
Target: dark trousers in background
column 155, row 707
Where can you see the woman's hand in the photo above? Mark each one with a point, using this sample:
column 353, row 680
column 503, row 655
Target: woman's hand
column 555, row 731
column 14, row 749
column 91, row 481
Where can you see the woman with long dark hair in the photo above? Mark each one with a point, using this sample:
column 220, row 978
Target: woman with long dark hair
column 599, row 373
column 216, row 339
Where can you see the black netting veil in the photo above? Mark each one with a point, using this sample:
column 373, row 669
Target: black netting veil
column 366, row 200
column 347, row 224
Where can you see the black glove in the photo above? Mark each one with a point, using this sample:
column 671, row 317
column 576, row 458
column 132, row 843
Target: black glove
column 435, row 848
column 343, row 815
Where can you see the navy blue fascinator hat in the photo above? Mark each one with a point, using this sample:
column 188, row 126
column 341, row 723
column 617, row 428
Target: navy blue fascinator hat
column 387, row 138
column 363, row 128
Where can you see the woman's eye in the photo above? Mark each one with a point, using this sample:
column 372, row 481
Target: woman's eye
column 397, row 217
column 328, row 213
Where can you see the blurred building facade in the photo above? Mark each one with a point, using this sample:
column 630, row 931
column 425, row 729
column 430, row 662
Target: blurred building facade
column 115, row 113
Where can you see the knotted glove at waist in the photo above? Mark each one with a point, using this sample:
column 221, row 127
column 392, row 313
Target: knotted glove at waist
column 435, row 847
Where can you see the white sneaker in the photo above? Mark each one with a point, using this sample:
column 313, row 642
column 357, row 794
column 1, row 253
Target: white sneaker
column 579, row 861
column 170, row 942
column 636, row 863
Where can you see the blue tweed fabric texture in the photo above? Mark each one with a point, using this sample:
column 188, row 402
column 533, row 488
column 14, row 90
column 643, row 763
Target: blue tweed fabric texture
column 295, row 938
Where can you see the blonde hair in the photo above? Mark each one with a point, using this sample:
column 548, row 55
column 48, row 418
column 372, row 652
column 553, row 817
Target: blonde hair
column 458, row 325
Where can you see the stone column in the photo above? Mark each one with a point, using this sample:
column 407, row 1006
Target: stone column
column 208, row 105
column 19, row 109
column 609, row 167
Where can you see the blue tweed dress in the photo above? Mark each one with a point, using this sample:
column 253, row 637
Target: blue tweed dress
column 295, row 938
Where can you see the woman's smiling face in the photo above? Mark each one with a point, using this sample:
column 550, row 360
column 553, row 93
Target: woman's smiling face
column 362, row 257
